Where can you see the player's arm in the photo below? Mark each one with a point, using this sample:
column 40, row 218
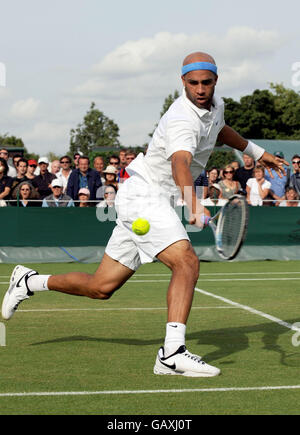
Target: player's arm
column 181, row 162
column 233, row 139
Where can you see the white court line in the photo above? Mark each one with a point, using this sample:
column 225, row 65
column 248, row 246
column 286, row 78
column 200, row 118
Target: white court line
column 221, row 274
column 117, row 392
column 53, row 310
column 251, row 310
column 206, row 280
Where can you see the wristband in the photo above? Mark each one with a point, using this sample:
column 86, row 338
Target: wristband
column 253, row 150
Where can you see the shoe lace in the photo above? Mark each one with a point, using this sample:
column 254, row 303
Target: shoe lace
column 193, row 357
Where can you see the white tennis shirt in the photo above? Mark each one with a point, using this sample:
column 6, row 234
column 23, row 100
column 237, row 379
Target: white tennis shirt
column 184, row 127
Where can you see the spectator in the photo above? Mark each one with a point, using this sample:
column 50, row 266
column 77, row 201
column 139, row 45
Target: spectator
column 228, row 185
column 42, row 182
column 235, row 164
column 214, row 197
column 278, row 184
column 122, row 157
column 15, row 160
column 110, row 192
column 114, row 161
column 76, row 158
column 55, row 167
column 291, row 198
column 258, row 187
column 22, row 166
column 99, row 166
column 83, row 177
column 5, row 180
column 243, row 174
column 295, row 178
column 110, row 177
column 84, row 196
column 25, row 196
column 213, row 176
column 4, row 154
column 129, row 156
column 57, row 198
column 201, row 185
column 32, row 165
column 65, row 172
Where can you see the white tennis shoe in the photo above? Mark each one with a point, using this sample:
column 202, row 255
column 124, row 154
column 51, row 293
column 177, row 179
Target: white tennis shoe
column 184, row 363
column 17, row 291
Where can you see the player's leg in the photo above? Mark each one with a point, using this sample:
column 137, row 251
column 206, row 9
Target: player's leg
column 180, row 257
column 109, row 276
column 173, row 358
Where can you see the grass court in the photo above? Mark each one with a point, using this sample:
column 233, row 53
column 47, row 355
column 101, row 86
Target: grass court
column 72, row 355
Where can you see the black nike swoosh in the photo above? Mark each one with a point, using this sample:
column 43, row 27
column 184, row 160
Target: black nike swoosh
column 173, row 326
column 173, row 366
column 17, row 285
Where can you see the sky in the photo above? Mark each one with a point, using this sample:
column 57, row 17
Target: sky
column 60, row 55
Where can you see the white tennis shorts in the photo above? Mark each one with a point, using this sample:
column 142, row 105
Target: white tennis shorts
column 138, row 199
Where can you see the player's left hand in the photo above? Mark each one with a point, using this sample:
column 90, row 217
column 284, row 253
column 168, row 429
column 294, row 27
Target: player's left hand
column 269, row 162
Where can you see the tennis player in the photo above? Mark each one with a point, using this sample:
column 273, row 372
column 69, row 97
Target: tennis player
column 178, row 152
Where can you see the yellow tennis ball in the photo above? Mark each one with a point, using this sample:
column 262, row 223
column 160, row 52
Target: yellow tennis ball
column 140, row 226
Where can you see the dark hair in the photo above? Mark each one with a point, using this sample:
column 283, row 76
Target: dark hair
column 111, row 185
column 33, row 193
column 84, row 157
column 214, row 168
column 65, row 157
column 115, row 157
column 17, row 155
column 296, row 156
column 2, row 160
column 22, row 160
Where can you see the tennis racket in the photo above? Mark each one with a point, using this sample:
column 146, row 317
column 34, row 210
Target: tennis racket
column 229, row 226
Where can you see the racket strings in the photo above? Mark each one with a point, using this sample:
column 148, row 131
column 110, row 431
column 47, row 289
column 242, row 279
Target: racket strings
column 232, row 227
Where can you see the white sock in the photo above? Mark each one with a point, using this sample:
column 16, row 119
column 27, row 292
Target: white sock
column 38, row 283
column 175, row 337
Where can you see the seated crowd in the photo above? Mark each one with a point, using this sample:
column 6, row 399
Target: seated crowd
column 67, row 183
column 63, row 182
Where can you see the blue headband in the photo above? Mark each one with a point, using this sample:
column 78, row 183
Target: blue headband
column 198, row 66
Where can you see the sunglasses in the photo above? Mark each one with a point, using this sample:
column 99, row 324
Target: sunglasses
column 33, row 166
column 228, row 172
column 65, row 161
column 296, row 162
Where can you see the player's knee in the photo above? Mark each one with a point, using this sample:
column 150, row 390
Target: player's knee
column 101, row 291
column 188, row 264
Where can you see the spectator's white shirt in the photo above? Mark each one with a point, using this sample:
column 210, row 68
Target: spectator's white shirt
column 255, row 198
column 183, row 127
column 12, row 172
column 63, row 179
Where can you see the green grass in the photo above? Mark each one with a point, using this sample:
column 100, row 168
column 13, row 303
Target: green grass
column 112, row 345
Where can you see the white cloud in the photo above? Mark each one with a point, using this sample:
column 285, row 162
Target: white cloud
column 150, row 67
column 48, row 136
column 25, row 109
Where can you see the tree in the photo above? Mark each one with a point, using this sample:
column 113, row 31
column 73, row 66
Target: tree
column 266, row 114
column 16, row 142
column 96, row 131
column 11, row 142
